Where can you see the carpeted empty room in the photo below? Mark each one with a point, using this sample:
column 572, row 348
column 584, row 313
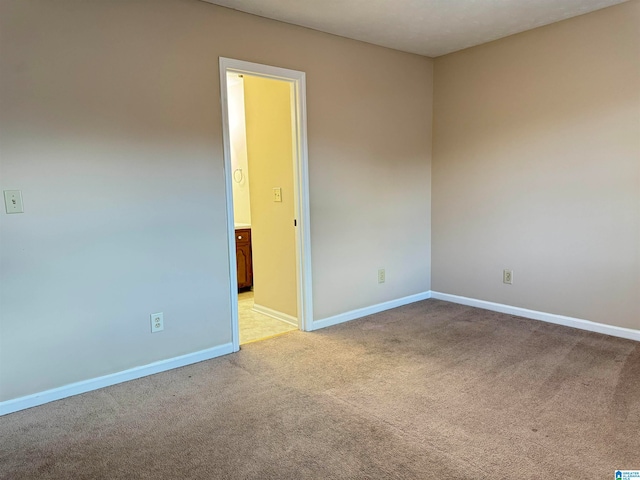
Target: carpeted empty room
column 428, row 390
column 431, row 210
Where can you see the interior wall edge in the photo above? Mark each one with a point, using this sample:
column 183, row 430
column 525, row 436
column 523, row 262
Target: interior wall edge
column 363, row 312
column 579, row 323
column 89, row 385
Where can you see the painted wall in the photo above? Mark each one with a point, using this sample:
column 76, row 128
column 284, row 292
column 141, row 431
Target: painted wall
column 111, row 126
column 238, row 139
column 270, row 153
column 537, row 168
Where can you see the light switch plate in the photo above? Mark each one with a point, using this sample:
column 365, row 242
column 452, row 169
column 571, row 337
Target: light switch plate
column 13, row 201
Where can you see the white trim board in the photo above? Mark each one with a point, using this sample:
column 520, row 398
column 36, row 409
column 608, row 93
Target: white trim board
column 269, row 312
column 21, row 403
column 363, row 312
column 578, row 323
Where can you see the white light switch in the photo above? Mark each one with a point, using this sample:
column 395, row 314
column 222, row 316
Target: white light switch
column 13, row 201
column 277, row 194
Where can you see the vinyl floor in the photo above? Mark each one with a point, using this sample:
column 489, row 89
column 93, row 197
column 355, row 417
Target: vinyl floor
column 255, row 326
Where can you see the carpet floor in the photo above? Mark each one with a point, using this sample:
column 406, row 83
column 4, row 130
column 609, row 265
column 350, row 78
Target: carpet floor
column 431, row 390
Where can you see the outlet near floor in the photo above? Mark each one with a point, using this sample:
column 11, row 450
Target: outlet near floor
column 381, row 275
column 157, row 322
column 507, row 277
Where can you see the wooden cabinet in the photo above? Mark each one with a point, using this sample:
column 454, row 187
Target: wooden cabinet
column 243, row 258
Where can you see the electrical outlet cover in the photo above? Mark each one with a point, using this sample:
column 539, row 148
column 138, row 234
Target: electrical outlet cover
column 157, row 322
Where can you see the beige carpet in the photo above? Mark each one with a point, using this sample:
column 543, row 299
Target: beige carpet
column 431, row 390
column 256, row 326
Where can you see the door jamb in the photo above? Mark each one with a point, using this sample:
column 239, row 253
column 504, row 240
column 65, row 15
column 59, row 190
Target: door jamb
column 301, row 186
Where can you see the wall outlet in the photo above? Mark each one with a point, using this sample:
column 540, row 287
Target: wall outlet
column 277, row 194
column 381, row 275
column 507, row 277
column 157, row 322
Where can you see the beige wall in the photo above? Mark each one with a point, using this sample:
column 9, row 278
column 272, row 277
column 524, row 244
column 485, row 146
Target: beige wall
column 238, row 139
column 111, row 126
column 537, row 168
column 270, row 153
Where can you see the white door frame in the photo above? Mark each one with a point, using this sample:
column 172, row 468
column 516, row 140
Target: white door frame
column 301, row 185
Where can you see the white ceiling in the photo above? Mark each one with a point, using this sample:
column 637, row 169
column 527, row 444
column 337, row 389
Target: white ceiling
column 425, row 27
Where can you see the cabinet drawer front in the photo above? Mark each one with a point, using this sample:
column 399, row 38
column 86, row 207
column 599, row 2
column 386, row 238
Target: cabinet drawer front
column 243, row 236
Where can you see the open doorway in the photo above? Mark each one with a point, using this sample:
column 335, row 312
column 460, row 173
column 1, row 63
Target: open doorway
column 260, row 133
column 267, row 199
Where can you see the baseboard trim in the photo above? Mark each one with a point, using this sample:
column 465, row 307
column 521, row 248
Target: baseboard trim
column 28, row 401
column 269, row 312
column 363, row 312
column 579, row 323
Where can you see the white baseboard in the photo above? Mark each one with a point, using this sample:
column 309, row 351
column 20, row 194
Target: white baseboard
column 21, row 403
column 269, row 312
column 363, row 312
column 542, row 316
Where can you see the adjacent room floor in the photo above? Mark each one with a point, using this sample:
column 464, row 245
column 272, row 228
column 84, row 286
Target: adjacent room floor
column 431, row 390
column 256, row 326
